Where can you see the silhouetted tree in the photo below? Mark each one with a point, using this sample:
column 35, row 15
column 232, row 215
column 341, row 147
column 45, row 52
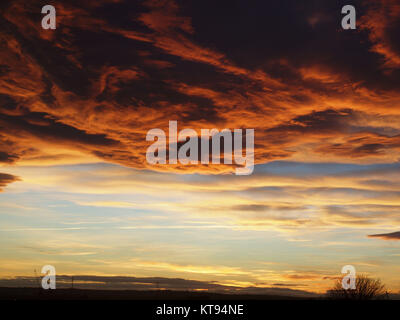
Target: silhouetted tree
column 366, row 289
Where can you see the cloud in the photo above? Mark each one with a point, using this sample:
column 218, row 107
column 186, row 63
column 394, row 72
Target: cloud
column 215, row 270
column 381, row 21
column 327, row 128
column 6, row 179
column 363, row 144
column 71, row 94
column 302, row 276
column 7, row 158
column 386, row 236
column 43, row 126
column 282, row 196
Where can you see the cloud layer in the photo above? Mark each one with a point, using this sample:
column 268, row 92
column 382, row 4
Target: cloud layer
column 114, row 70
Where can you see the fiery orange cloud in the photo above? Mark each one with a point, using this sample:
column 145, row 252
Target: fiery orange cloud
column 380, row 21
column 65, row 90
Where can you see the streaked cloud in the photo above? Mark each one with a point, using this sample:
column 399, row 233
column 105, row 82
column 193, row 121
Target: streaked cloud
column 76, row 104
column 386, row 236
column 6, row 179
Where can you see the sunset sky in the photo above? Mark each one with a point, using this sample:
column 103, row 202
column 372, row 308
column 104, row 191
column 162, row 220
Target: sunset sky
column 77, row 102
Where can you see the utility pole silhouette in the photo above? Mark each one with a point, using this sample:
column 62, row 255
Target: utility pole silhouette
column 37, row 278
column 40, row 292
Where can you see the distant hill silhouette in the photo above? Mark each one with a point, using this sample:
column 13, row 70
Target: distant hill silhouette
column 152, row 284
column 88, row 294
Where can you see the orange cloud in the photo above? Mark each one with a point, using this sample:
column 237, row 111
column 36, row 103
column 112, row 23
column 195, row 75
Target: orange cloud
column 77, row 95
column 380, row 21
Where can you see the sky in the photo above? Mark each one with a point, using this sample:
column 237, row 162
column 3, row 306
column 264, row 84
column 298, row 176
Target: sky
column 77, row 102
